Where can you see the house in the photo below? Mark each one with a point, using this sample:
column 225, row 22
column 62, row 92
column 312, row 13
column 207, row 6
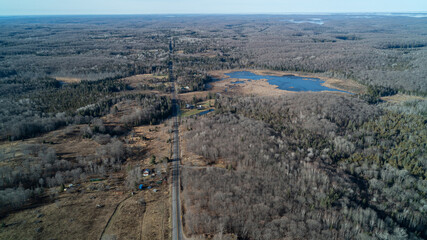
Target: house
column 200, row 107
column 189, row 106
column 146, row 173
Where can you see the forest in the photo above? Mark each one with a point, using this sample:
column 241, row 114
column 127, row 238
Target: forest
column 382, row 51
column 298, row 166
column 310, row 166
column 34, row 102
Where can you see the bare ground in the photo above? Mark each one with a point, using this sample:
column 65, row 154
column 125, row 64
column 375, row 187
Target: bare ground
column 68, row 79
column 401, row 98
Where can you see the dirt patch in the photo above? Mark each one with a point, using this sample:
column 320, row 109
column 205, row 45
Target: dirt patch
column 155, row 140
column 348, row 85
column 68, row 79
column 401, row 98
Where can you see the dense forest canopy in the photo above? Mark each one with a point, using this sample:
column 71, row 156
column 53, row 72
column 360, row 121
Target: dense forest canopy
column 311, row 166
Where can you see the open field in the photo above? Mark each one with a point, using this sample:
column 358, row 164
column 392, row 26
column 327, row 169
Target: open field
column 75, row 215
column 71, row 216
column 104, row 206
column 206, row 106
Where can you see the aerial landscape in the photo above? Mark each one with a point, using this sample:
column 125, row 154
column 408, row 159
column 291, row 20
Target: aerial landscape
column 213, row 125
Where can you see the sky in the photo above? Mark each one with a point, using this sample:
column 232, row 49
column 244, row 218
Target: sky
column 71, row 7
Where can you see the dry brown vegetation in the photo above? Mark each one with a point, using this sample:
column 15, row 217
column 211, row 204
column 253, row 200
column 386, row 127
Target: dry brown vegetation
column 267, row 164
column 105, row 206
column 399, row 98
column 76, row 215
column 71, row 216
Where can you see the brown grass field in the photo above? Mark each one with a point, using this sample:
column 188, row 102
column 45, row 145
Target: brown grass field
column 103, row 209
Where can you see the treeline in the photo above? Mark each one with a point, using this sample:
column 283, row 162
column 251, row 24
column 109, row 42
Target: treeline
column 404, row 45
column 23, row 119
column 73, row 96
column 306, row 166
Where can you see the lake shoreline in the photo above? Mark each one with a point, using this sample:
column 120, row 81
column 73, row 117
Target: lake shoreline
column 347, row 86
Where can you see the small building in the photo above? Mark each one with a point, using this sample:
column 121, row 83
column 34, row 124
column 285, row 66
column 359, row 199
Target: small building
column 146, row 173
column 200, row 107
column 189, row 106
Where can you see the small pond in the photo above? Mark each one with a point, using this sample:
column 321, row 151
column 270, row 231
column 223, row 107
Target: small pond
column 285, row 82
column 205, row 112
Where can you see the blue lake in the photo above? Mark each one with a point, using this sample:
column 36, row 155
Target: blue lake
column 311, row 20
column 285, row 82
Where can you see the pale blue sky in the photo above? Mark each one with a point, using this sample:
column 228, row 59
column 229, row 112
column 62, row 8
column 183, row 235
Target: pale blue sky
column 54, row 7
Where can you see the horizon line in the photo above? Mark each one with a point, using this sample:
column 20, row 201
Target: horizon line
column 249, row 13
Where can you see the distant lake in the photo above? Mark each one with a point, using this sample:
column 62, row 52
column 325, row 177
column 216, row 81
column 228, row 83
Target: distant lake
column 311, row 20
column 285, row 82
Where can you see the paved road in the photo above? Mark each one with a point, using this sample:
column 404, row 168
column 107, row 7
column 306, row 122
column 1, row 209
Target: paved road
column 176, row 204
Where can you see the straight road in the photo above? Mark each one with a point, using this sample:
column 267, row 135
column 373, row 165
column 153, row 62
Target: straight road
column 176, row 204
